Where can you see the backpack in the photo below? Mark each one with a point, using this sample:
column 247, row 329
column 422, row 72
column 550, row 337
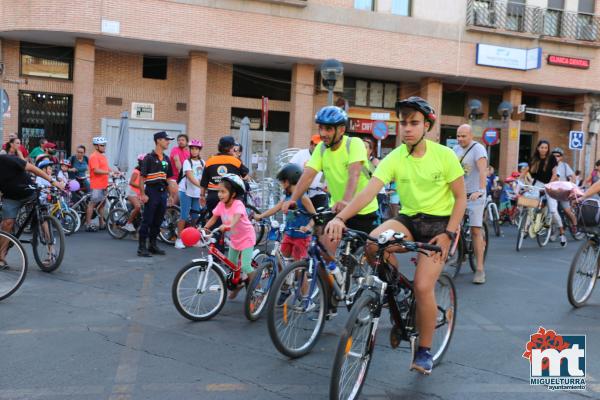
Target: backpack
column 365, row 170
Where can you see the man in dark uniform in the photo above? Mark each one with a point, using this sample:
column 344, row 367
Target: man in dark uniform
column 155, row 170
column 217, row 166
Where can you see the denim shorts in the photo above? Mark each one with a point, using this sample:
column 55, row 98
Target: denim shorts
column 10, row 207
column 187, row 203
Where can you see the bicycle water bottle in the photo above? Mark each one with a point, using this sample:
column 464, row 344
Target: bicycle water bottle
column 336, row 272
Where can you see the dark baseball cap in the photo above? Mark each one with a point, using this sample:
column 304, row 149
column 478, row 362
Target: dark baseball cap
column 226, row 141
column 162, row 135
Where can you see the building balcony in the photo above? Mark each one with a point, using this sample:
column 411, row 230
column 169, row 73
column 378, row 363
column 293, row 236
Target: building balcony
column 511, row 18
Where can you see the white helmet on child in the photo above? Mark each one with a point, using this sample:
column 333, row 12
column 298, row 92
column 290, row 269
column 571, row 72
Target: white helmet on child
column 236, row 182
column 99, row 140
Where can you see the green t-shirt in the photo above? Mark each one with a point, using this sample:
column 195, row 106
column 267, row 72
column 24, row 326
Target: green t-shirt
column 423, row 184
column 36, row 152
column 334, row 165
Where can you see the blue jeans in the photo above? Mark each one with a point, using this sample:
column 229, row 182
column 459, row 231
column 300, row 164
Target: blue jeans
column 187, row 203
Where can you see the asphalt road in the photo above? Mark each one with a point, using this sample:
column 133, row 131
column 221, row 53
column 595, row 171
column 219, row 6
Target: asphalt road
column 103, row 327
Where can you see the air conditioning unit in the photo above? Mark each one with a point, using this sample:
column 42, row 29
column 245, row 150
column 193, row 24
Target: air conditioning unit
column 483, row 15
column 587, row 31
column 339, row 85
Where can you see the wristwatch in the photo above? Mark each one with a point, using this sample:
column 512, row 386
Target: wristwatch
column 450, row 234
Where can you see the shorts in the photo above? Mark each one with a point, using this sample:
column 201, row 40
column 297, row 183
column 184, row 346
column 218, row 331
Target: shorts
column 11, row 207
column 296, row 247
column 131, row 192
column 187, row 203
column 424, row 227
column 97, row 195
column 364, row 223
column 475, row 208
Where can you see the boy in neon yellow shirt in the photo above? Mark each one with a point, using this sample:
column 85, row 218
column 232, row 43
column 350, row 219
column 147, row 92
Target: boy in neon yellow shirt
column 429, row 180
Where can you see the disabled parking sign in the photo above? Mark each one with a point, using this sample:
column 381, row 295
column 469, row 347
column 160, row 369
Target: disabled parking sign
column 576, row 140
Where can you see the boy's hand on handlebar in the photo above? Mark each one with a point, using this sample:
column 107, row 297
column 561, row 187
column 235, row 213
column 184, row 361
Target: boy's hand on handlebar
column 287, row 205
column 335, row 229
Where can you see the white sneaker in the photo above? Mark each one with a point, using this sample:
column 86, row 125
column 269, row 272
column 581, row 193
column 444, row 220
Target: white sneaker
column 129, row 227
column 563, row 240
column 179, row 244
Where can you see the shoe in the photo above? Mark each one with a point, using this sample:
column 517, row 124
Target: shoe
column 179, row 244
column 129, row 227
column 233, row 294
column 423, row 362
column 332, row 313
column 3, row 265
column 563, row 240
column 142, row 249
column 91, row 228
column 154, row 249
column 479, row 277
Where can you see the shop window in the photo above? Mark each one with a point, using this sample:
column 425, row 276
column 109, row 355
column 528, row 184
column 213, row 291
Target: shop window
column 531, row 102
column 586, row 27
column 453, row 103
column 553, row 17
column 155, row 67
column 368, row 5
column 363, row 93
column 401, row 7
column 279, row 121
column 46, row 61
column 255, row 83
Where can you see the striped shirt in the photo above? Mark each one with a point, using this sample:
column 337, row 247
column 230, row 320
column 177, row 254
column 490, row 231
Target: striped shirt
column 155, row 169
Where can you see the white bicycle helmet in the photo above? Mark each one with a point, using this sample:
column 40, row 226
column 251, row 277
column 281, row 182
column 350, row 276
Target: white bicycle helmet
column 236, row 182
column 99, row 140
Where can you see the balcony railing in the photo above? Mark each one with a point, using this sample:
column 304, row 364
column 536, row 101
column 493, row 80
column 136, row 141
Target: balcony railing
column 507, row 16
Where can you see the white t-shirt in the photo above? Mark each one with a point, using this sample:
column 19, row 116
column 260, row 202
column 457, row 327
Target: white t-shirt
column 196, row 166
column 301, row 158
column 564, row 171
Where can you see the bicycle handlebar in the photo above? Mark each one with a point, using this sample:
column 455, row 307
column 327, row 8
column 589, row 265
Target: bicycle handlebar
column 398, row 238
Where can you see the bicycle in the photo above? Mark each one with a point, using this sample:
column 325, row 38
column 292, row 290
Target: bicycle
column 46, row 232
column 59, row 208
column 117, row 219
column 387, row 286
column 493, row 216
column 206, row 281
column 463, row 246
column 13, row 265
column 309, row 287
column 534, row 219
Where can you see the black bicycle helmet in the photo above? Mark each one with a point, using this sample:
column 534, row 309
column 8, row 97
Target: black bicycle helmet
column 290, row 172
column 419, row 104
column 225, row 144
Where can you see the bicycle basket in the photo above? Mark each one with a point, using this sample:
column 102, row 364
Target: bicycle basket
column 588, row 216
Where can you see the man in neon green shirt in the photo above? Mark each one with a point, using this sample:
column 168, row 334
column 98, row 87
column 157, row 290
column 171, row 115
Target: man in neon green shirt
column 429, row 180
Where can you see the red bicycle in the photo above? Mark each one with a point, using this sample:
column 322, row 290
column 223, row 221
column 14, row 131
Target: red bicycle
column 199, row 290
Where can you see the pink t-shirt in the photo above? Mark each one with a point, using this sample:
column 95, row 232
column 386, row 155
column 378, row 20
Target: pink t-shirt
column 242, row 234
column 182, row 155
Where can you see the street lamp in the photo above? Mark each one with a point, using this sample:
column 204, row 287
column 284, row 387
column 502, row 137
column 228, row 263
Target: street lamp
column 504, row 109
column 331, row 71
column 474, row 109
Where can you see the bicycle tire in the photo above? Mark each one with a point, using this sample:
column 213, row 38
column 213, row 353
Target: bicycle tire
column 16, row 270
column 543, row 237
column 447, row 314
column 218, row 286
column 278, row 288
column 56, row 233
column 257, row 297
column 66, row 221
column 114, row 224
column 454, row 261
column 168, row 228
column 367, row 302
column 77, row 219
column 486, row 238
column 497, row 230
column 576, row 271
column 259, row 228
column 521, row 232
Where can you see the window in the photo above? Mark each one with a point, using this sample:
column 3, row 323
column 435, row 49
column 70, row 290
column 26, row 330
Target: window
column 279, row 121
column 256, row 82
column 515, row 15
column 401, row 7
column 46, row 61
column 453, row 103
column 494, row 102
column 362, row 91
column 586, row 6
column 376, row 94
column 531, row 102
column 390, row 95
column 553, row 17
column 365, row 93
column 586, row 28
column 155, row 67
column 368, row 5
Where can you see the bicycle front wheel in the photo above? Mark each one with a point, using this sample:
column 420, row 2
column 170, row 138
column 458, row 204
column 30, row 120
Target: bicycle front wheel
column 67, row 220
column 13, row 268
column 257, row 292
column 296, row 309
column 583, row 274
column 48, row 244
column 168, row 228
column 522, row 229
column 117, row 219
column 543, row 235
column 199, row 292
column 445, row 297
column 355, row 350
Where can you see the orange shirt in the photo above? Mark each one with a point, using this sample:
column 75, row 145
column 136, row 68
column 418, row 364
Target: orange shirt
column 98, row 160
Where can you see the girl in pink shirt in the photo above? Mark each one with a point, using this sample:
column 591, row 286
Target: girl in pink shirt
column 235, row 219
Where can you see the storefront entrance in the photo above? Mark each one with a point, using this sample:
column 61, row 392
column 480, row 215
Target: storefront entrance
column 45, row 115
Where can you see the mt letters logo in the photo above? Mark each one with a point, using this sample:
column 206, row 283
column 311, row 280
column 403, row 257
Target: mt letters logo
column 557, row 362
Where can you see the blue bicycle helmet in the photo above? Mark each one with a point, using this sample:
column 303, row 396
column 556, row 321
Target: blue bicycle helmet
column 331, row 115
column 44, row 163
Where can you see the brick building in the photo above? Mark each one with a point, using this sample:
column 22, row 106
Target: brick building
column 199, row 66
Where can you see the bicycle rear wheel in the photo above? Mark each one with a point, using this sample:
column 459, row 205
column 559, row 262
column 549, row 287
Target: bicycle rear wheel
column 168, row 228
column 199, row 293
column 68, row 220
column 583, row 274
column 445, row 297
column 257, row 292
column 48, row 244
column 13, row 268
column 355, row 350
column 117, row 219
column 296, row 309
column 543, row 235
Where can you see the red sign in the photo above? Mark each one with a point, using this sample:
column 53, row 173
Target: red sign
column 490, row 136
column 264, row 111
column 572, row 62
column 361, row 125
